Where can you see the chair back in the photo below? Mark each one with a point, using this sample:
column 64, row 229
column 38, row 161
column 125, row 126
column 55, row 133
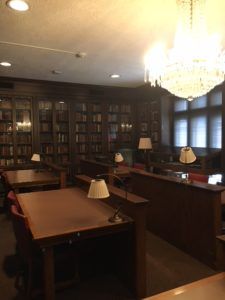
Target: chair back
column 22, row 232
column 198, row 177
column 12, row 200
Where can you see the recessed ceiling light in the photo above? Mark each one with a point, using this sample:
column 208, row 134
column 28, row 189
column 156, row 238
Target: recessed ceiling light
column 61, row 102
column 19, row 5
column 114, row 75
column 5, row 64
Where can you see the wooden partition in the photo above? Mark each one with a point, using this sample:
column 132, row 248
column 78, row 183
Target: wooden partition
column 135, row 207
column 60, row 171
column 186, row 215
column 93, row 168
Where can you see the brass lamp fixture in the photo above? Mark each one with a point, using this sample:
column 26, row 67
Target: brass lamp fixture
column 187, row 156
column 98, row 190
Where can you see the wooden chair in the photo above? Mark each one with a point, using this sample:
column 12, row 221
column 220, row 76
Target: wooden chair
column 31, row 258
column 12, row 200
column 25, row 249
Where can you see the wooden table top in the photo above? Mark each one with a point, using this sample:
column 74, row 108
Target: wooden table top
column 30, row 177
column 67, row 214
column 210, row 288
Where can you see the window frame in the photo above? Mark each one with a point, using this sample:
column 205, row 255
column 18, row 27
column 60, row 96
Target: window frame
column 209, row 111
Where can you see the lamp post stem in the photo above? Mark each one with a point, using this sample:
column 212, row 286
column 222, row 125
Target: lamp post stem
column 116, row 217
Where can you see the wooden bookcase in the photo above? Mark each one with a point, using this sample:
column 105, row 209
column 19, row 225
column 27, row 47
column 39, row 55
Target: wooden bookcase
column 23, row 109
column 120, row 126
column 81, row 130
column 46, row 135
column 15, row 130
column 143, row 120
column 53, row 120
column 6, row 131
column 155, row 123
column 62, row 132
column 96, row 129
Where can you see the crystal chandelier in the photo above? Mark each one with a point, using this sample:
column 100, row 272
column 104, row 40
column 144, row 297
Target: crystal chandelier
column 196, row 63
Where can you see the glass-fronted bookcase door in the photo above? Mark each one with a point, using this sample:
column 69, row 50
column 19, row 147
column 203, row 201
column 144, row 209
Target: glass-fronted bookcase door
column 15, row 130
column 53, row 118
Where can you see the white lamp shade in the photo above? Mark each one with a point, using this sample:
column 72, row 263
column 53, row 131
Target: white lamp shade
column 118, row 157
column 35, row 157
column 187, row 155
column 98, row 189
column 145, row 143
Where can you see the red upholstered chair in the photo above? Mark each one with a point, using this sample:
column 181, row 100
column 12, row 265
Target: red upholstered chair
column 25, row 247
column 198, row 177
column 12, row 200
column 31, row 257
column 139, row 166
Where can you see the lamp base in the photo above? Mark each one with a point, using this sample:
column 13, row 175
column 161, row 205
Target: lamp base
column 115, row 219
column 186, row 181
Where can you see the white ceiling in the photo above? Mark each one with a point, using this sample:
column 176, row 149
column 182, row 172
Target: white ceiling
column 115, row 34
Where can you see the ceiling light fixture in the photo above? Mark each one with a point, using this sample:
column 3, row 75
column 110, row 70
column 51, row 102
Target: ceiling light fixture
column 195, row 64
column 19, row 5
column 114, row 75
column 5, row 64
column 56, row 72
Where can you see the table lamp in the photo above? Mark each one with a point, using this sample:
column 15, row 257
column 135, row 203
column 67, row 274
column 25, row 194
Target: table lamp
column 145, row 143
column 98, row 190
column 118, row 157
column 187, row 156
column 36, row 158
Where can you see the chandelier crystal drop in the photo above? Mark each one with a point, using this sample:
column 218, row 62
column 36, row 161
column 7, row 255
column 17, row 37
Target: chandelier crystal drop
column 196, row 63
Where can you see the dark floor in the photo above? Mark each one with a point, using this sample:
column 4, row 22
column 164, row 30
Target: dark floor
column 167, row 268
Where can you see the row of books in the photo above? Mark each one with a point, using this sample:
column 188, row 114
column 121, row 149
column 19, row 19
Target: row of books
column 112, row 118
column 96, row 138
column 62, row 149
column 97, row 117
column 47, row 149
column 6, row 127
column 6, row 150
column 24, row 150
column 6, row 138
column 81, row 107
column 23, row 138
column 62, row 138
column 82, row 148
column 23, row 104
column 45, row 127
column 6, row 162
column 96, row 148
column 96, row 127
column 62, row 127
column 62, row 115
column 63, row 158
column 82, row 138
column 45, row 105
column 80, row 117
column 5, row 115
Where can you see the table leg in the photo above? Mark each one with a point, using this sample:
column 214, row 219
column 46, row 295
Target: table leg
column 49, row 273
